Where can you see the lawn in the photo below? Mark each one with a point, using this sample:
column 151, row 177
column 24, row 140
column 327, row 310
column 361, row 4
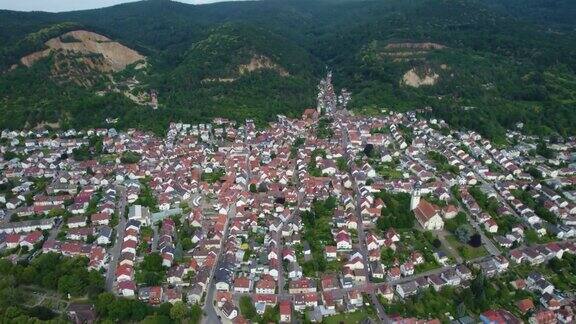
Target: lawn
column 107, row 158
column 426, row 266
column 466, row 251
column 389, row 173
column 355, row 317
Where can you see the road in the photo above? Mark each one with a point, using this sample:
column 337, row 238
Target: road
column 371, row 288
column 210, row 314
column 362, row 235
column 280, row 240
column 115, row 251
column 56, row 229
column 155, row 238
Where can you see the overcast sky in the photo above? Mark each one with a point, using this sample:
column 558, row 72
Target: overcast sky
column 68, row 5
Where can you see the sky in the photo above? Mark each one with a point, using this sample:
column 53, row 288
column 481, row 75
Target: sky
column 68, row 5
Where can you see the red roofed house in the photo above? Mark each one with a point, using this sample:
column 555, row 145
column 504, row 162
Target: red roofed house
column 13, row 240
column 498, row 316
column 266, row 286
column 491, row 225
column 330, row 252
column 31, row 239
column 285, row 312
column 525, row 305
column 155, row 297
column 124, row 273
column 543, row 317
column 127, row 288
column 242, row 285
column 100, row 218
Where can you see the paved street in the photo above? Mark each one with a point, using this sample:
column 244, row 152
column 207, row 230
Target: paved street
column 362, row 236
column 210, row 314
column 115, row 250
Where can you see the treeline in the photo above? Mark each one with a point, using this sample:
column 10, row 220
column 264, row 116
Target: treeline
column 56, row 272
column 50, row 272
column 317, row 232
column 122, row 310
column 494, row 72
column 397, row 213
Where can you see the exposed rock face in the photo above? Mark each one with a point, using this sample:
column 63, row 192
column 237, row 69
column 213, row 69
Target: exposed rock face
column 413, row 79
column 404, row 52
column 260, row 62
column 111, row 56
column 415, row 46
column 257, row 62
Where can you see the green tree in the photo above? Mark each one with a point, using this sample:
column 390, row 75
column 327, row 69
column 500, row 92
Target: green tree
column 179, row 311
column 342, row 164
column 152, row 262
column 130, row 157
column 247, row 308
column 195, row 314
column 271, row 315
column 463, row 233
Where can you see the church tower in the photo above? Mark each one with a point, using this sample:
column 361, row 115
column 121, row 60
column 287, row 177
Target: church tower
column 415, row 199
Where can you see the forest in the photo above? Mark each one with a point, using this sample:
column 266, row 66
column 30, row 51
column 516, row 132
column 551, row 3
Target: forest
column 498, row 64
column 23, row 283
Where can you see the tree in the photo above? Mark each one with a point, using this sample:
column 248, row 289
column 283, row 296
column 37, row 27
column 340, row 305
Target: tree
column 463, row 233
column 478, row 288
column 247, row 308
column 342, row 164
column 253, row 188
column 157, row 319
column 187, row 243
column 103, row 303
column 164, row 309
column 151, row 270
column 369, row 150
column 179, row 311
column 452, row 224
column 475, row 240
column 543, row 150
column 195, row 314
column 437, row 243
column 531, row 236
column 271, row 315
column 179, row 252
column 130, row 157
column 95, row 284
column 152, row 262
column 387, row 255
column 69, row 284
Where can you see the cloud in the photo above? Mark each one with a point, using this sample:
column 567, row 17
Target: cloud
column 69, row 5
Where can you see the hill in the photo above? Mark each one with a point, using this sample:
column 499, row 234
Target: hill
column 485, row 65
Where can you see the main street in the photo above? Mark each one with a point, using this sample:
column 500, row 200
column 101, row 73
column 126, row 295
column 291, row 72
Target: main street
column 210, row 314
column 361, row 234
column 119, row 229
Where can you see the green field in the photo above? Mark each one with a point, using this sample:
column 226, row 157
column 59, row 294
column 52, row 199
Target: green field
column 355, row 317
column 466, row 251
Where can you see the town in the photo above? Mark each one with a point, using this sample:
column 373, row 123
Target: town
column 332, row 217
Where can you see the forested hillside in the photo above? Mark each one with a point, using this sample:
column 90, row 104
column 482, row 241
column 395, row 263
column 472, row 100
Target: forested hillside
column 485, row 65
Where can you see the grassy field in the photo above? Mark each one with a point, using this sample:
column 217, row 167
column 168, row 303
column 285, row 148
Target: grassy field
column 466, row 251
column 355, row 317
